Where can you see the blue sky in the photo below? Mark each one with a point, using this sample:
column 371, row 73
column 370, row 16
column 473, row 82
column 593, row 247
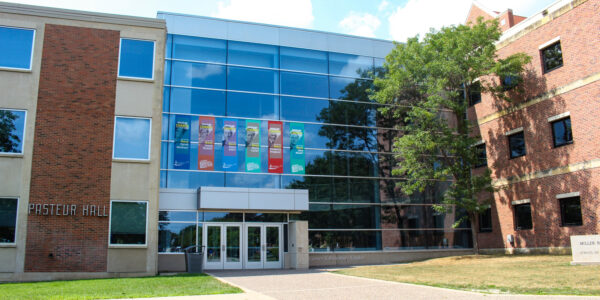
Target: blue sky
column 384, row 19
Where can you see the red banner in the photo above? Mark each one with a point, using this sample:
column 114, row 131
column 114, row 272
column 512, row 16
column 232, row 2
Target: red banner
column 206, row 143
column 275, row 142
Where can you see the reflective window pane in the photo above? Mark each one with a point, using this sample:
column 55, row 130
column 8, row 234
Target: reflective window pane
column 304, row 85
column 8, row 219
column 349, row 88
column 128, row 223
column 319, row 188
column 177, row 216
column 193, row 180
column 337, row 216
column 426, row 239
column 132, row 138
column 198, row 75
column 349, row 65
column 303, row 60
column 194, row 101
column 516, row 143
column 265, row 217
column 252, row 80
column 12, row 129
column 252, row 105
column 252, row 180
column 249, row 54
column 352, row 113
column 325, row 241
column 304, row 109
column 561, row 131
column 175, row 237
column 222, row 217
column 136, row 59
column 17, row 47
column 199, row 49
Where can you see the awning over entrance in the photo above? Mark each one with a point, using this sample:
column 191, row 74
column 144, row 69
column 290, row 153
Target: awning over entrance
column 228, row 198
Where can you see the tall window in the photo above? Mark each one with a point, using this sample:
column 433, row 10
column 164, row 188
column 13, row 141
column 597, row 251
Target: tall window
column 523, row 216
column 12, row 130
column 128, row 220
column 552, row 57
column 17, row 48
column 8, row 220
column 516, row 144
column 136, row 59
column 475, row 94
column 132, row 138
column 481, row 155
column 485, row 220
column 570, row 211
column 561, row 132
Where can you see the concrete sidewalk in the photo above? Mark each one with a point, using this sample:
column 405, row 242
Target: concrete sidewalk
column 320, row 284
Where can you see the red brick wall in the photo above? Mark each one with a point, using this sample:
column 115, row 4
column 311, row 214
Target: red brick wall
column 475, row 12
column 72, row 151
column 578, row 30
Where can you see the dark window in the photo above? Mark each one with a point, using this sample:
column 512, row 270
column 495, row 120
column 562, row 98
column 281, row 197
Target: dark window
column 175, row 237
column 12, row 130
column 8, row 219
column 570, row 211
column 516, row 145
column 523, row 216
column 481, row 155
column 128, row 222
column 552, row 57
column 485, row 221
column 509, row 82
column 475, row 94
column 561, row 132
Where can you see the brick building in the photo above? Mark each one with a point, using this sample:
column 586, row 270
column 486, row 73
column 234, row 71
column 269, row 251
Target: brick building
column 542, row 147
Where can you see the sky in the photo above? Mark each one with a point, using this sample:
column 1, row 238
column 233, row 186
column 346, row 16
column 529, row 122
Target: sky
column 384, row 19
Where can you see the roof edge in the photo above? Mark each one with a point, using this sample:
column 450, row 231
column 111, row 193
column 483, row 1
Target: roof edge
column 79, row 15
column 158, row 13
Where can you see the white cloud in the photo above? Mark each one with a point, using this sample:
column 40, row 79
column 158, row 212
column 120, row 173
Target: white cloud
column 383, row 5
column 418, row 16
column 362, row 24
column 294, row 13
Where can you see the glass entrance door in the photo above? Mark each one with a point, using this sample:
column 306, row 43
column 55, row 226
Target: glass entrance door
column 223, row 246
column 263, row 246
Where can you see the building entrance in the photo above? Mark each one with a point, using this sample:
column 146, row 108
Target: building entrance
column 243, row 246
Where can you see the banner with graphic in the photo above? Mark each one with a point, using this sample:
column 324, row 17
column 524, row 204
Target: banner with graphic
column 181, row 159
column 230, row 144
column 206, row 143
column 275, row 144
column 252, row 146
column 297, row 156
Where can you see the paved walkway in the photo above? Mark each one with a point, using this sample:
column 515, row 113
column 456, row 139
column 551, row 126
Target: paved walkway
column 319, row 284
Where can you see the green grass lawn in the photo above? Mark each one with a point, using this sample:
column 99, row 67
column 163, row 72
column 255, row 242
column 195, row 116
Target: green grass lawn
column 140, row 287
column 519, row 274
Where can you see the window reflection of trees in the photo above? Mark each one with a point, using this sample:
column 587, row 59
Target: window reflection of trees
column 9, row 142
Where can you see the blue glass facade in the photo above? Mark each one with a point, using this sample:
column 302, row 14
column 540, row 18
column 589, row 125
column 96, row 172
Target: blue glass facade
column 354, row 204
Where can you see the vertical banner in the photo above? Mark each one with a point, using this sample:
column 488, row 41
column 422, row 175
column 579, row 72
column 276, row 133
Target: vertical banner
column 297, row 158
column 252, row 146
column 275, row 141
column 181, row 159
column 230, row 144
column 206, row 143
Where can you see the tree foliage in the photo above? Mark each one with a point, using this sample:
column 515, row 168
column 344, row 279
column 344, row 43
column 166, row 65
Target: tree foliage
column 8, row 140
column 428, row 83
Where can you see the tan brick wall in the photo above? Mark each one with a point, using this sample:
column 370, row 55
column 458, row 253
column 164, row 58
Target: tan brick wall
column 72, row 151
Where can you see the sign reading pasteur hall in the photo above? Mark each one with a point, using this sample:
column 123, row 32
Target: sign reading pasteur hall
column 586, row 249
column 53, row 209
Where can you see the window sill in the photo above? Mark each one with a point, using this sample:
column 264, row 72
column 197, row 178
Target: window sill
column 135, row 79
column 15, row 70
column 517, row 156
column 135, row 161
column 8, row 245
column 128, row 246
column 562, row 145
column 16, row 155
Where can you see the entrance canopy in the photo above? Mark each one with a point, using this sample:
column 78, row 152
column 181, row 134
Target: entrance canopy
column 228, row 198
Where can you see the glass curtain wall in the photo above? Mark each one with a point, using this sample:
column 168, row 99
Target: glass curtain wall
column 262, row 116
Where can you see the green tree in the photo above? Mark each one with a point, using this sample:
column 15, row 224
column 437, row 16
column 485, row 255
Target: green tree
column 429, row 82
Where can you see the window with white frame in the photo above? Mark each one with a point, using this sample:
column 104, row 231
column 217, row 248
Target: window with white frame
column 16, row 51
column 12, row 130
column 136, row 59
column 132, row 138
column 128, row 222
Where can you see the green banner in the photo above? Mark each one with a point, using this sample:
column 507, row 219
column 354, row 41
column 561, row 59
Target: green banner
column 253, row 146
column 297, row 148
